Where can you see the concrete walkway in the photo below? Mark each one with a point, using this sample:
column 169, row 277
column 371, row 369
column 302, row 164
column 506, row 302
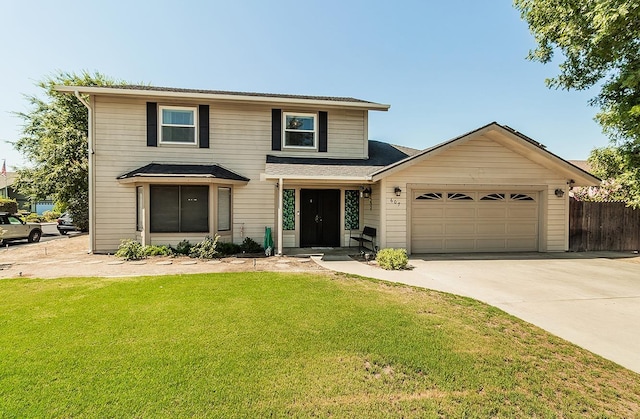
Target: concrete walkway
column 590, row 299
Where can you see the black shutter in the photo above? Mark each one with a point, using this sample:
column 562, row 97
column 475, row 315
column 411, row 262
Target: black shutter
column 276, row 129
column 152, row 124
column 203, row 122
column 322, row 132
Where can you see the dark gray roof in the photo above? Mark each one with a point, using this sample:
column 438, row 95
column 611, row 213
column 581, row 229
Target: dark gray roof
column 223, row 92
column 184, row 170
column 380, row 155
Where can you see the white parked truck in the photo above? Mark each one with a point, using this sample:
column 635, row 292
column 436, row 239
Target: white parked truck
column 12, row 227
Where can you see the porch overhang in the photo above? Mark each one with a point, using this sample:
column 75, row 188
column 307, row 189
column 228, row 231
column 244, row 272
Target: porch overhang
column 184, row 173
column 311, row 179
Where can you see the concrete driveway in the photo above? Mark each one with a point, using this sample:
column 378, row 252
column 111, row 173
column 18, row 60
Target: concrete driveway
column 590, row 299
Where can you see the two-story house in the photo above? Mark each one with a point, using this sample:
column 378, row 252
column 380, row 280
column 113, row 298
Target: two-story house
column 173, row 164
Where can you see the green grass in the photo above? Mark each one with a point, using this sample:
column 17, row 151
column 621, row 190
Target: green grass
column 269, row 344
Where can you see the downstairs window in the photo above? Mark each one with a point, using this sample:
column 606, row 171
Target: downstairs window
column 179, row 209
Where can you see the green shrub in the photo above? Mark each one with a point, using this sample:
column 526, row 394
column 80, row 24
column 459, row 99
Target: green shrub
column 250, row 246
column 183, row 248
column 206, row 249
column 50, row 216
column 8, row 205
column 392, row 259
column 33, row 218
column 131, row 250
column 60, row 207
column 153, row 250
column 228, row 248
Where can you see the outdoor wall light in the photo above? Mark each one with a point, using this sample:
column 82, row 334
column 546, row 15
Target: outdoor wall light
column 366, row 193
column 397, row 190
column 559, row 193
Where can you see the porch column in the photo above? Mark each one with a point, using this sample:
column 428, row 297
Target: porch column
column 280, row 214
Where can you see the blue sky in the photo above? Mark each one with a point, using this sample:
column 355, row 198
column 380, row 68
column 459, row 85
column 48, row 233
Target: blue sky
column 445, row 67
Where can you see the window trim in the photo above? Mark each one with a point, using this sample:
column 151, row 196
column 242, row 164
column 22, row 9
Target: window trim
column 285, row 130
column 195, row 126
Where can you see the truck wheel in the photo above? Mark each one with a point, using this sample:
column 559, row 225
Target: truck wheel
column 34, row 236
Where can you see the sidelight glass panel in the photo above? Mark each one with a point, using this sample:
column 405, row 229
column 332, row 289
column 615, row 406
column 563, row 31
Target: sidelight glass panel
column 352, row 210
column 289, row 209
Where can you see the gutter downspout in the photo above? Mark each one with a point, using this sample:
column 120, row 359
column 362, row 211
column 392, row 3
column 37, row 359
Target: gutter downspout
column 91, row 176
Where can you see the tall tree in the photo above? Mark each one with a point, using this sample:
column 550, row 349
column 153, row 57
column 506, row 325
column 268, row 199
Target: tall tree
column 54, row 142
column 600, row 44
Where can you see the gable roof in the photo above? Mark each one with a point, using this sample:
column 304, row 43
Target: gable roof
column 380, row 155
column 197, row 171
column 223, row 95
column 509, row 138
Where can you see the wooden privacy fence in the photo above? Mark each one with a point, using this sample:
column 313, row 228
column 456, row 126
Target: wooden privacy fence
column 603, row 226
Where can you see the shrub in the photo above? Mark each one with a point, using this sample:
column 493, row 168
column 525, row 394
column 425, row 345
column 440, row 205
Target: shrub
column 60, row 207
column 206, row 249
column 131, row 250
column 228, row 248
column 392, row 259
column 33, row 218
column 183, row 248
column 153, row 250
column 8, row 205
column 50, row 216
column 250, row 246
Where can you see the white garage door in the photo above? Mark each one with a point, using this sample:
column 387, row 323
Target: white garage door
column 458, row 221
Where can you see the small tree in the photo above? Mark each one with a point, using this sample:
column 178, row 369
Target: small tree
column 620, row 172
column 54, row 142
column 599, row 44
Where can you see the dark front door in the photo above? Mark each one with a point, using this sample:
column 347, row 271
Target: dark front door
column 319, row 217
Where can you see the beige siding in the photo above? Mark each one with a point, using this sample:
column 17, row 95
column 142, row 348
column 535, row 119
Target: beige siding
column 345, row 132
column 239, row 141
column 240, row 138
column 476, row 164
column 371, row 208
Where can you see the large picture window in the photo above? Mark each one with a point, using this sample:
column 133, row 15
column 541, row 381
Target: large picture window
column 299, row 130
column 179, row 209
column 178, row 125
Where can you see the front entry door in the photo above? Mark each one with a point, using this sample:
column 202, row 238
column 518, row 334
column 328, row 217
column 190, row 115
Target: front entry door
column 319, row 217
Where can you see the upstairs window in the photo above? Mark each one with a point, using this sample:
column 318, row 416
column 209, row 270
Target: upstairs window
column 299, row 130
column 178, row 125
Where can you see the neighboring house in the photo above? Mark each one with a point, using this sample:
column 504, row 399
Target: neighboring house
column 24, row 202
column 174, row 164
column 582, row 164
column 8, row 191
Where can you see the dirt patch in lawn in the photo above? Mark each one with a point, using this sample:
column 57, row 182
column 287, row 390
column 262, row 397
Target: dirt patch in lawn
column 68, row 257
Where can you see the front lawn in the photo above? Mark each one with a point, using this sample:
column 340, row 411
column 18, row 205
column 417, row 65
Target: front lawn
column 269, row 344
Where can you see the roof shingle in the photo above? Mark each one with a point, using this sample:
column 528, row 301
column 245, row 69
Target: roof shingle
column 184, row 170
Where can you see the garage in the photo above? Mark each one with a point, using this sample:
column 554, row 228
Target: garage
column 447, row 221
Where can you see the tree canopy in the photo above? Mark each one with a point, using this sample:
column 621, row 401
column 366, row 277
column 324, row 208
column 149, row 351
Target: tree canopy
column 599, row 41
column 54, row 142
